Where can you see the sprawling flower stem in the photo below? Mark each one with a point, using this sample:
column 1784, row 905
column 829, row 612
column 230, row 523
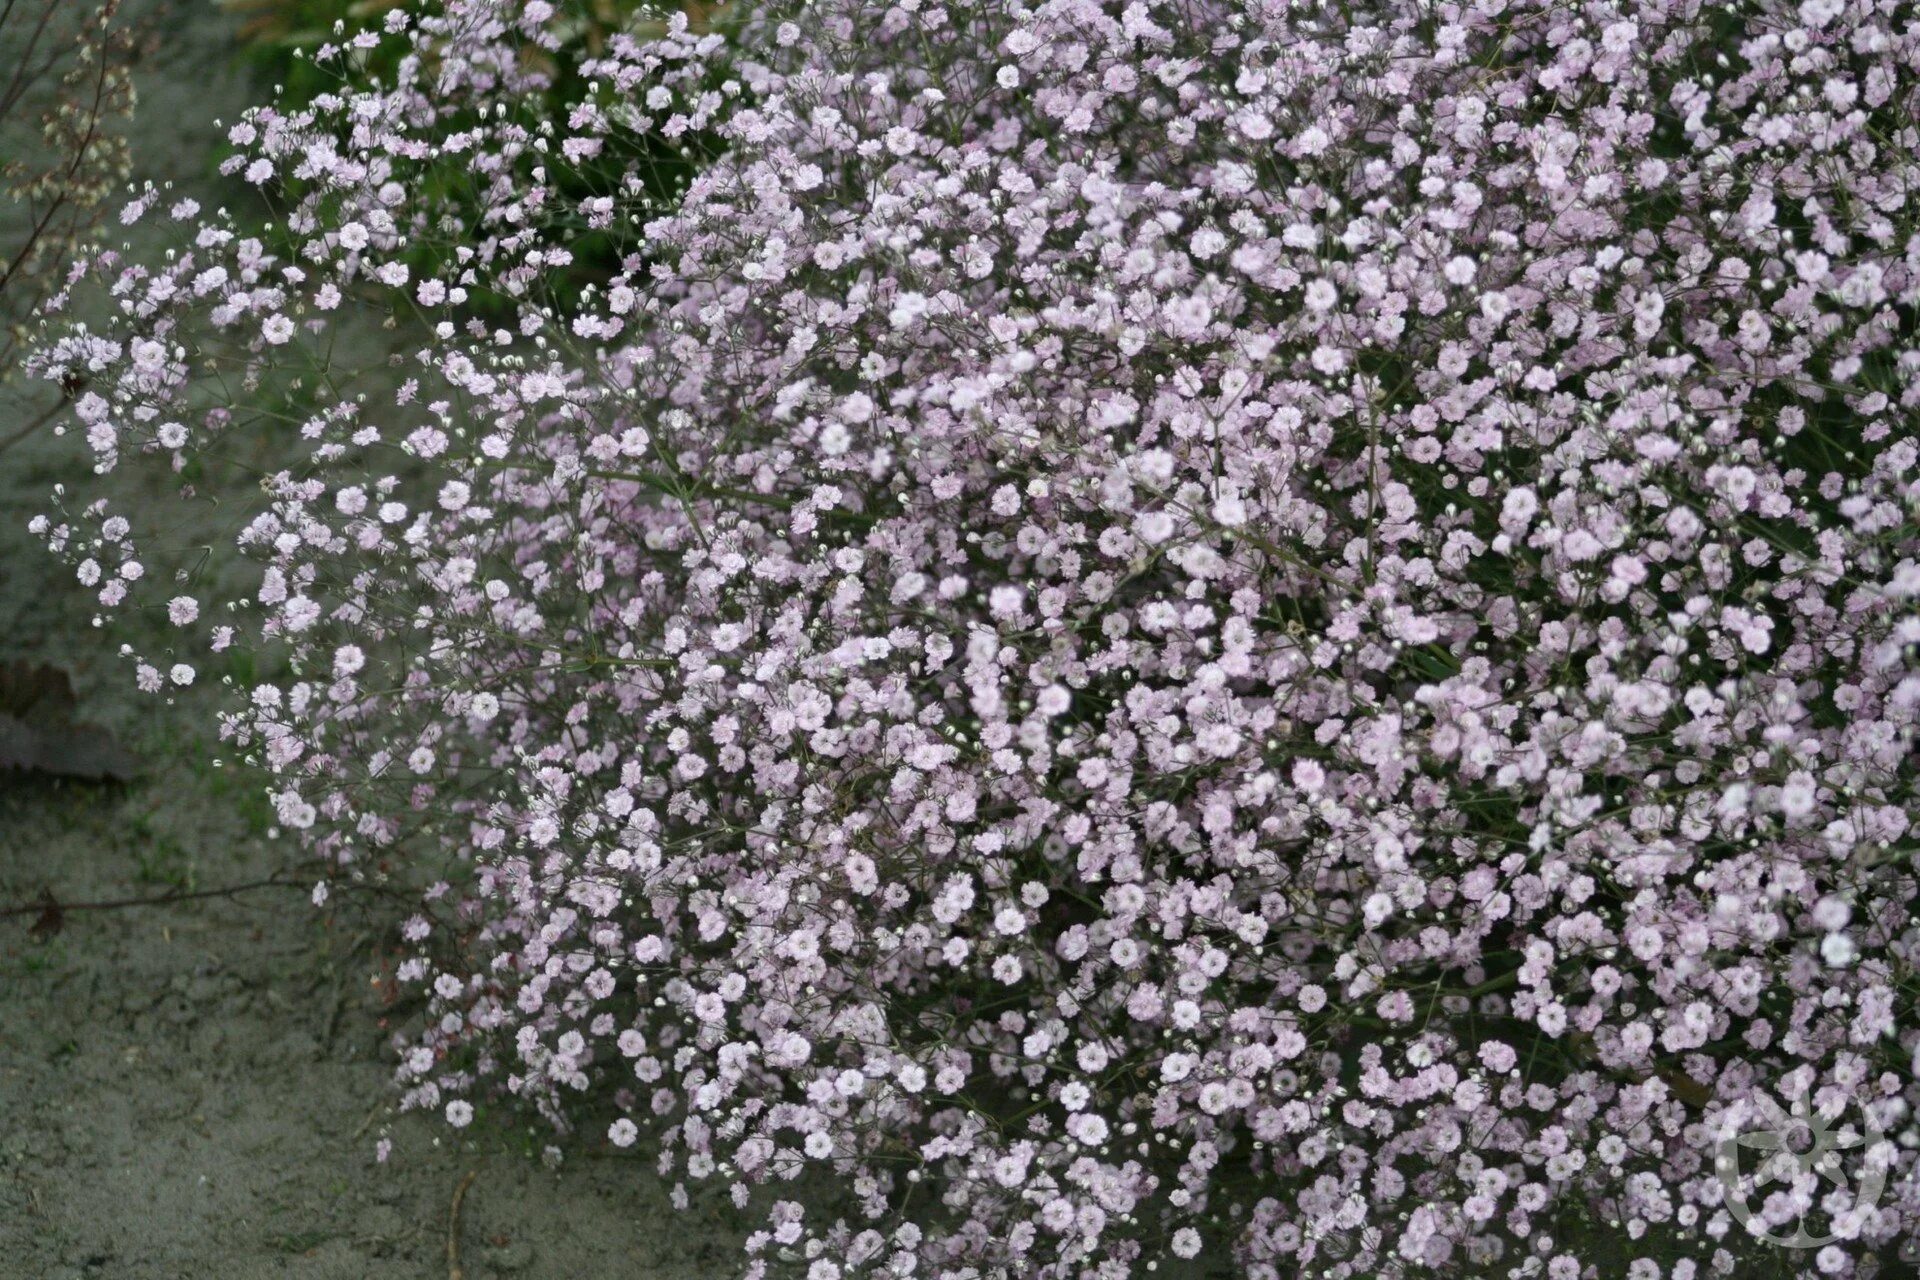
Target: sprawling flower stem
column 64, row 88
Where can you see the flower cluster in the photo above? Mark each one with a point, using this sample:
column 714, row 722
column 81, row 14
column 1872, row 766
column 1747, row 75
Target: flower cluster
column 67, row 90
column 1139, row 631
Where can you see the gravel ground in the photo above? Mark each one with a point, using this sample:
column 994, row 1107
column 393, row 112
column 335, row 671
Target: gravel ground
column 193, row 1091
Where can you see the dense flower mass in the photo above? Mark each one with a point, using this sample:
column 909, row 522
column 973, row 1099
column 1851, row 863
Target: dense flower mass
column 1255, row 630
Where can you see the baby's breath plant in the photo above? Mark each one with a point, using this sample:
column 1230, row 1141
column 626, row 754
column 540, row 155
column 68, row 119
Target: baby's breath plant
column 65, row 89
column 1280, row 634
column 277, row 37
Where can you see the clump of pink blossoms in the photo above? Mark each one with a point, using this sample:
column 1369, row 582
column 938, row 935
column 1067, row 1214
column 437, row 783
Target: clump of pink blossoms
column 1259, row 630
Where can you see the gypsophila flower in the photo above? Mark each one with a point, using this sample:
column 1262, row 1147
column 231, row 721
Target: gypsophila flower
column 1275, row 631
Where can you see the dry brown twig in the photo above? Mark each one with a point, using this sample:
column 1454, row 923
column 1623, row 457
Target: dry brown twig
column 454, row 1270
column 47, row 903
